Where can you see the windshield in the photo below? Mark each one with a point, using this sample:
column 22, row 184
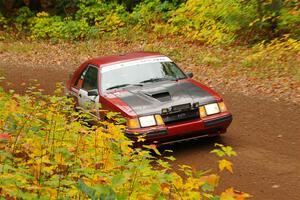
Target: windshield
column 139, row 72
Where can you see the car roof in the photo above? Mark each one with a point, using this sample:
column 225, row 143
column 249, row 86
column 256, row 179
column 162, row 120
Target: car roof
column 104, row 60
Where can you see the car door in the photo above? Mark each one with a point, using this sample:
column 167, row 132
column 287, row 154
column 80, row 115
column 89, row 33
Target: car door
column 88, row 96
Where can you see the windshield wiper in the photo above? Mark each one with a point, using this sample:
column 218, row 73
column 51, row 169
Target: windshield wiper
column 123, row 85
column 157, row 80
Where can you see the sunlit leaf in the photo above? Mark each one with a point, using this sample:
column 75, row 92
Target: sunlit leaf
column 225, row 164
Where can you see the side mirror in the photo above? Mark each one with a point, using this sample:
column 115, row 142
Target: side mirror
column 93, row 92
column 189, row 74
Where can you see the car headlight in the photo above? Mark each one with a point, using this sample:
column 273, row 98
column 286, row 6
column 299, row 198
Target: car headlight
column 213, row 108
column 145, row 121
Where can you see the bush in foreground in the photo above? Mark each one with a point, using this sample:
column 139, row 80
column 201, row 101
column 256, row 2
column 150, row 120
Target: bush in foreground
column 47, row 152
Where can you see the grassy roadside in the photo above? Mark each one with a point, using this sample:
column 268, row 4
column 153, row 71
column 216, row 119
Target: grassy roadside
column 272, row 69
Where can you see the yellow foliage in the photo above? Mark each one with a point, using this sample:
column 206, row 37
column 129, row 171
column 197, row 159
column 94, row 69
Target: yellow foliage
column 42, row 14
column 213, row 179
column 231, row 194
column 59, row 158
column 225, row 164
column 52, row 153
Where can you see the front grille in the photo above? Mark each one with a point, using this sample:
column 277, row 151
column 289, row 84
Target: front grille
column 180, row 116
column 182, row 107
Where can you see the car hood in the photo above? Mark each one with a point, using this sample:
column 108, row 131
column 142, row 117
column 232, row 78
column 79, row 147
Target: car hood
column 153, row 97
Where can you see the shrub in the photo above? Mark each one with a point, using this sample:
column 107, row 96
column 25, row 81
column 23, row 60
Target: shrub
column 106, row 16
column 209, row 21
column 289, row 20
column 77, row 29
column 148, row 13
column 44, row 27
column 46, row 152
column 281, row 54
column 3, row 21
column 92, row 18
column 22, row 20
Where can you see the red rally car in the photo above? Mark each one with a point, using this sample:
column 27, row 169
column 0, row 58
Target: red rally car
column 153, row 94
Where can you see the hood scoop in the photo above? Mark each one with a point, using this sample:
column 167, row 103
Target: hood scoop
column 162, row 96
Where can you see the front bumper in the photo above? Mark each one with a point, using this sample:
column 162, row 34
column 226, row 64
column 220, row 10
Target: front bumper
column 184, row 131
column 217, row 121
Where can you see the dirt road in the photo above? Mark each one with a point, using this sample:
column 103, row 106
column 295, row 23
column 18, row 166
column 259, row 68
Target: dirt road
column 265, row 134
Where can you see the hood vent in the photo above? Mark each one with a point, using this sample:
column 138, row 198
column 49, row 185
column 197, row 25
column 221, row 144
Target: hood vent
column 162, row 96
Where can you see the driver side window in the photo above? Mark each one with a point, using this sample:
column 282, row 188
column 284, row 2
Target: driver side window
column 88, row 79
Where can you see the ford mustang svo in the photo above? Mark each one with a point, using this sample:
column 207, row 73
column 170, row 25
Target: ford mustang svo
column 157, row 99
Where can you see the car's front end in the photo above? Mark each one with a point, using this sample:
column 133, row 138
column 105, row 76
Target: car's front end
column 171, row 111
column 178, row 125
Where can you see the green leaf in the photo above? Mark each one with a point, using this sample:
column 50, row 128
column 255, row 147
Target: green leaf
column 110, row 115
column 90, row 192
column 163, row 164
column 156, row 151
column 154, row 188
column 172, row 158
column 105, row 192
column 118, row 180
column 152, row 147
column 218, row 152
column 208, row 187
column 229, row 151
